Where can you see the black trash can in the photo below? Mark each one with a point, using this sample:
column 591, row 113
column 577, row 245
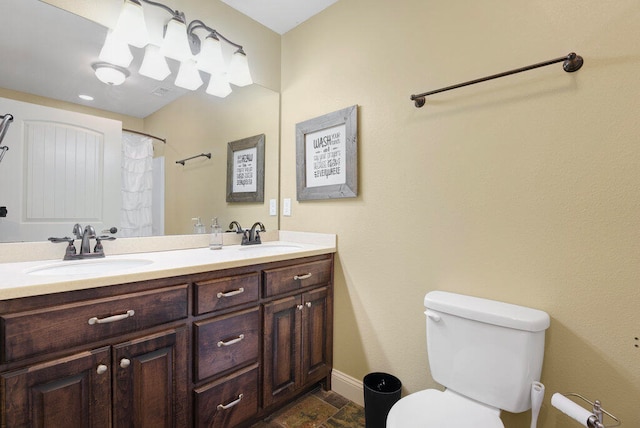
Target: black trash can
column 381, row 391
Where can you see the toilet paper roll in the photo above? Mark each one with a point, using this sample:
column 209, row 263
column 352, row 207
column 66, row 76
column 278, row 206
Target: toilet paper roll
column 571, row 409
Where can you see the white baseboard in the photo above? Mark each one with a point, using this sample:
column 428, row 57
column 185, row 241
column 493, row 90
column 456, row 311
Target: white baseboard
column 347, row 386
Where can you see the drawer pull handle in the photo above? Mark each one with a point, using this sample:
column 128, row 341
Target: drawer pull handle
column 230, row 405
column 231, row 293
column 230, row 342
column 114, row 318
column 301, row 277
column 125, row 362
column 102, row 369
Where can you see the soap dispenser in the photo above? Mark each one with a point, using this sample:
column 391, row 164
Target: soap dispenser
column 198, row 227
column 215, row 239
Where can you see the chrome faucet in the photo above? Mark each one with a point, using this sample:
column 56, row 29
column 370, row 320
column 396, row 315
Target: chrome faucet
column 88, row 234
column 237, row 225
column 252, row 236
column 85, row 236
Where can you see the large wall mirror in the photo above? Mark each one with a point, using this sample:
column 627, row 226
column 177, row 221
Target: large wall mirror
column 191, row 122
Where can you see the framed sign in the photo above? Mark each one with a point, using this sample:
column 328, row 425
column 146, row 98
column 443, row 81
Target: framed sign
column 245, row 170
column 327, row 156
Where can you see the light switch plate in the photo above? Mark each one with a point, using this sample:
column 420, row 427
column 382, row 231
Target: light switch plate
column 273, row 207
column 286, row 209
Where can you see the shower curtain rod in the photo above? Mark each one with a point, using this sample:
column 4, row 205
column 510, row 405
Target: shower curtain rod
column 572, row 62
column 146, row 135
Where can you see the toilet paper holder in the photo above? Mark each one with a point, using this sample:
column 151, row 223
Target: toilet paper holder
column 596, row 420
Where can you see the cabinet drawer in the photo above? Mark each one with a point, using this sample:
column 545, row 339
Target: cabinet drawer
column 226, row 342
column 292, row 278
column 228, row 402
column 226, row 292
column 56, row 328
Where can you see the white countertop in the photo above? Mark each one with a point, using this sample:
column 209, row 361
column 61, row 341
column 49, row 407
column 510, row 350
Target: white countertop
column 21, row 279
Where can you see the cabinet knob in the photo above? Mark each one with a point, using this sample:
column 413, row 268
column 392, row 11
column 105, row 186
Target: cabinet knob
column 308, row 304
column 300, row 307
column 102, row 369
column 124, row 363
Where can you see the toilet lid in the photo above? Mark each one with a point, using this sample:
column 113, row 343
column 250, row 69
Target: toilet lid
column 433, row 408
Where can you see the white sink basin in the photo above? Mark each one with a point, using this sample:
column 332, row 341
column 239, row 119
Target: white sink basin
column 88, row 267
column 270, row 248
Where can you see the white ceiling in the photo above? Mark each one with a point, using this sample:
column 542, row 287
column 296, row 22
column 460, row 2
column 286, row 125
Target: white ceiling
column 280, row 15
column 48, row 51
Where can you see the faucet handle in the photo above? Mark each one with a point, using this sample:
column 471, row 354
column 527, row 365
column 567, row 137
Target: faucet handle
column 59, row 240
column 70, row 250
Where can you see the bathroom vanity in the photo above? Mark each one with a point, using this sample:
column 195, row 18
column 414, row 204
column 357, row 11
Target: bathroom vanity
column 221, row 343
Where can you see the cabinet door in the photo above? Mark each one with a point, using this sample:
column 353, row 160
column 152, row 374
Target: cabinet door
column 281, row 348
column 71, row 392
column 150, row 382
column 316, row 326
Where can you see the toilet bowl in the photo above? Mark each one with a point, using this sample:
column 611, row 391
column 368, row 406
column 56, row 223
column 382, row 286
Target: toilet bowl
column 487, row 355
column 437, row 409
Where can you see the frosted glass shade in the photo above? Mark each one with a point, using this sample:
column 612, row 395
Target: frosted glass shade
column 175, row 44
column 188, row 76
column 239, row 73
column 115, row 51
column 210, row 59
column 154, row 64
column 110, row 75
column 131, row 27
column 218, row 85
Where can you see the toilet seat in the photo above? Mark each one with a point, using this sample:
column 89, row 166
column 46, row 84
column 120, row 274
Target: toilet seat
column 437, row 409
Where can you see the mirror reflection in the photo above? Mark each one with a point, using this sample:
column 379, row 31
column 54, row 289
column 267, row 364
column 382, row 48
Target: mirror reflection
column 191, row 122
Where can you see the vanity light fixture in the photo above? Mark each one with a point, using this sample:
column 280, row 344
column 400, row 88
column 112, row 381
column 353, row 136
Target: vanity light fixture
column 109, row 73
column 195, row 52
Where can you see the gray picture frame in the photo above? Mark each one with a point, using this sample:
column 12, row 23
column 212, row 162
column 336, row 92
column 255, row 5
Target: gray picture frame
column 257, row 142
column 324, row 153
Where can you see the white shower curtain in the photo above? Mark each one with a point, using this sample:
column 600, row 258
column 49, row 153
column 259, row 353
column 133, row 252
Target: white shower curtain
column 137, row 185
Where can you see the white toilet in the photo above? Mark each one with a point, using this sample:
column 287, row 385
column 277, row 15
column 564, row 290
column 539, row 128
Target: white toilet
column 486, row 354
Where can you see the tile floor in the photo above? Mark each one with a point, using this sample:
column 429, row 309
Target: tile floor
column 317, row 409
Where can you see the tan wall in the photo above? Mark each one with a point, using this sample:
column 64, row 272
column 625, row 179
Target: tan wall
column 199, row 123
column 523, row 189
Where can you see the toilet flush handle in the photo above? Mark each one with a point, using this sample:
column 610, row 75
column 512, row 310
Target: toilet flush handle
column 433, row 316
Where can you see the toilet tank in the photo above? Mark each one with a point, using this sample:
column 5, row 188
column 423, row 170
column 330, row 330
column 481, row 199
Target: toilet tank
column 483, row 349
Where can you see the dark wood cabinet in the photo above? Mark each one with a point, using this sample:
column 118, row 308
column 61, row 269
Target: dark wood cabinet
column 149, row 387
column 282, row 319
column 74, row 391
column 216, row 349
column 150, row 381
column 298, row 331
column 228, row 401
